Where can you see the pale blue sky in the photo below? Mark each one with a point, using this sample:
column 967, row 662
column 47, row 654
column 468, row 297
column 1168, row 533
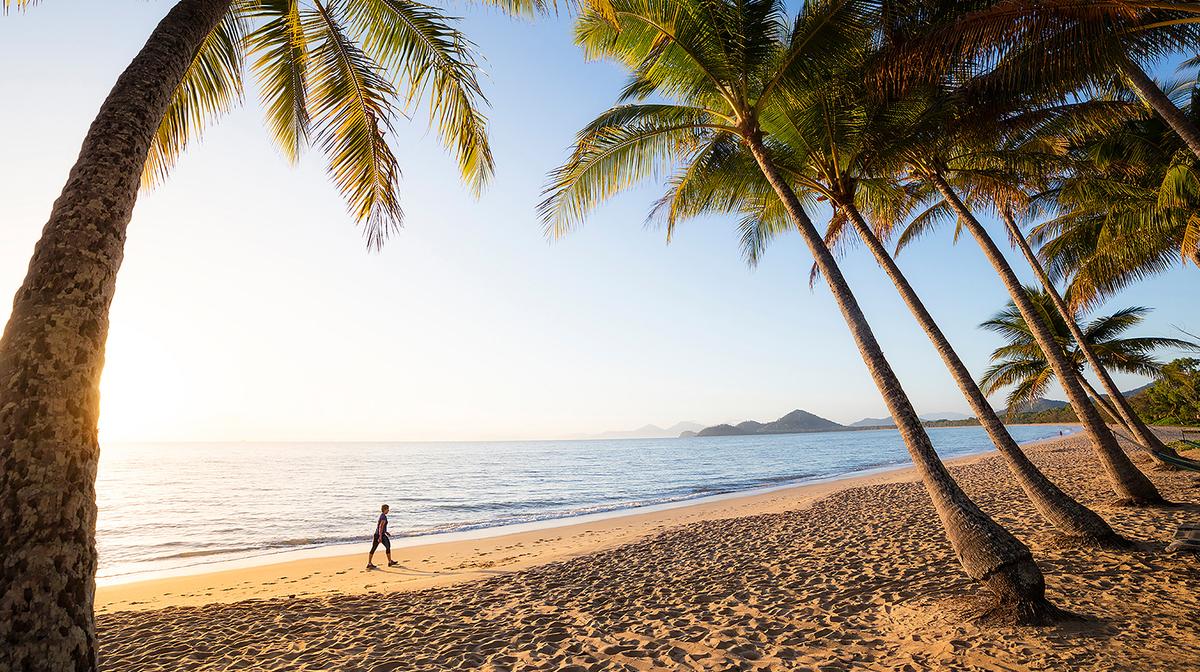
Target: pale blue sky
column 248, row 307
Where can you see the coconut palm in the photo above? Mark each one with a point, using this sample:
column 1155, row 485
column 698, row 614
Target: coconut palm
column 725, row 71
column 1020, row 363
column 837, row 144
column 1119, row 407
column 945, row 151
column 1031, row 157
column 333, row 73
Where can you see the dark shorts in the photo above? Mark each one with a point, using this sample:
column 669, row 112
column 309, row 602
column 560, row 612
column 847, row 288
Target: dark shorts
column 387, row 543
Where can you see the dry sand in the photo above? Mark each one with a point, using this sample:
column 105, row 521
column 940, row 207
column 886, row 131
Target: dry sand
column 848, row 575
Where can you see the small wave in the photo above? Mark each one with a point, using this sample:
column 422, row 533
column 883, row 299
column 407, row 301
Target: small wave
column 266, row 545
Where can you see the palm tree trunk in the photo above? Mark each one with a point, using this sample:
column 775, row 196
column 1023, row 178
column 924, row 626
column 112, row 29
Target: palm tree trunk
column 1103, row 405
column 1130, row 484
column 51, row 355
column 987, row 551
column 1124, row 413
column 1058, row 508
column 1162, row 105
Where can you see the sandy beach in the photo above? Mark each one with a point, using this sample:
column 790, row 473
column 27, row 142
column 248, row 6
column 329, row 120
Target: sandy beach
column 848, row 574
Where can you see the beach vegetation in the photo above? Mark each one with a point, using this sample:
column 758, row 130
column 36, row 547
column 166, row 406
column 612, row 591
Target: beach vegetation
column 1174, row 396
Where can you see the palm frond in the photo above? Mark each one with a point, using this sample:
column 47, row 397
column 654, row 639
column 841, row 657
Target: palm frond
column 611, row 156
column 211, row 87
column 436, row 64
column 350, row 102
column 281, row 45
column 20, row 5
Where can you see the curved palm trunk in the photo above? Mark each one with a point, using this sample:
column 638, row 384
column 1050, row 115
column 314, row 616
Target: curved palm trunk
column 51, row 355
column 988, row 552
column 1058, row 508
column 1122, row 411
column 1162, row 105
column 1130, row 484
column 1103, row 405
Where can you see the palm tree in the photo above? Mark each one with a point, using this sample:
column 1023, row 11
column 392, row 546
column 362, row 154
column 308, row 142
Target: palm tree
column 943, row 147
column 1020, row 363
column 837, row 145
column 1130, row 484
column 1118, row 407
column 334, row 72
column 726, row 70
column 1031, row 157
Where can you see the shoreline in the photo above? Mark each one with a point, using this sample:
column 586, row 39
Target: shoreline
column 242, row 558
column 850, row 574
column 452, row 558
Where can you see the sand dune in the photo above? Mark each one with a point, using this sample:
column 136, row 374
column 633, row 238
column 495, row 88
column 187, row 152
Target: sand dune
column 860, row 579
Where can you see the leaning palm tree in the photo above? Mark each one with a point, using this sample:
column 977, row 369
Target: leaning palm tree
column 1036, row 154
column 966, row 58
column 1021, row 364
column 839, row 145
column 943, row 151
column 333, row 73
column 726, row 71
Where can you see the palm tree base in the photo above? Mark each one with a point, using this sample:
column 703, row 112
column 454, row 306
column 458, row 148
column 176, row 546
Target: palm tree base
column 1018, row 596
column 1110, row 542
column 1144, row 502
column 1035, row 613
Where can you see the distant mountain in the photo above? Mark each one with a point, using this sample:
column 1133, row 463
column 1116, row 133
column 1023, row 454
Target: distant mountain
column 1053, row 410
column 795, row 422
column 874, row 422
column 927, row 417
column 648, row 432
column 722, row 430
column 798, row 421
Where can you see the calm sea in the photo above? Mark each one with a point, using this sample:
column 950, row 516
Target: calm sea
column 171, row 506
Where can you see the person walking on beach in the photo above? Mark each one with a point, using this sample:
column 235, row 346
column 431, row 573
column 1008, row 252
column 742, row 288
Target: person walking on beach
column 381, row 537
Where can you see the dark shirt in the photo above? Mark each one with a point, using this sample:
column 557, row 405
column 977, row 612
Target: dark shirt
column 381, row 526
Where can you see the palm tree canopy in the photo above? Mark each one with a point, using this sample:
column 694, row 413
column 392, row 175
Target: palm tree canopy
column 1022, row 364
column 336, row 75
column 1127, row 207
column 1034, row 50
column 723, row 68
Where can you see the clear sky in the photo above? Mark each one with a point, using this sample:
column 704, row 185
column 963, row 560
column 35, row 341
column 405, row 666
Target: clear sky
column 249, row 309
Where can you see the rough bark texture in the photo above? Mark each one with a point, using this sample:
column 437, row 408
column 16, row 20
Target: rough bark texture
column 51, row 356
column 1068, row 516
column 987, row 551
column 1124, row 413
column 1162, row 105
column 1130, row 484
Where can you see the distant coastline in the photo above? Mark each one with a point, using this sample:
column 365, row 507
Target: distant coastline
column 803, row 422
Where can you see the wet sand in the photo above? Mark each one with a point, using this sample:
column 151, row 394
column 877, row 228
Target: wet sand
column 853, row 574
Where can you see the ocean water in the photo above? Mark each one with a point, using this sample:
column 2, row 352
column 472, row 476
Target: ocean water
column 170, row 506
